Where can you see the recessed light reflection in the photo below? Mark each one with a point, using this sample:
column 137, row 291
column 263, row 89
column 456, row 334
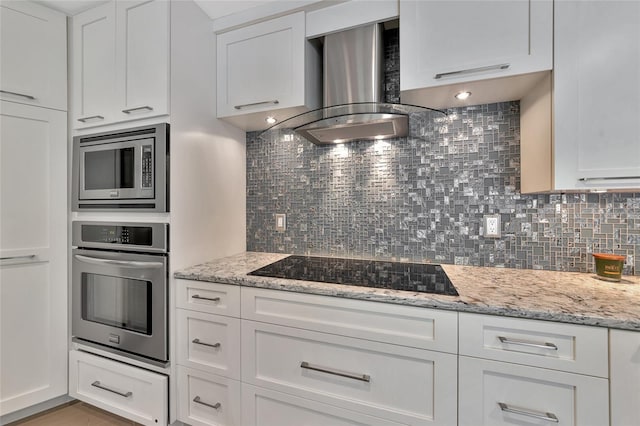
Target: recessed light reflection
column 338, row 140
column 462, row 95
column 270, row 120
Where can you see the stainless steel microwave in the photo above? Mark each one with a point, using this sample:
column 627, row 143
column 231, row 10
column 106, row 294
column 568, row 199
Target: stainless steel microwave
column 122, row 170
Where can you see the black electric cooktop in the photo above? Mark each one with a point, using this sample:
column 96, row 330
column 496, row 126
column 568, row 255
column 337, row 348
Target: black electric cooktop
column 416, row 277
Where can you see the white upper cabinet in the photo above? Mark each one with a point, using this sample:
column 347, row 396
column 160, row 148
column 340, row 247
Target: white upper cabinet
column 33, row 53
column 590, row 140
column 455, row 43
column 142, row 58
column 94, row 66
column 597, row 94
column 265, row 69
column 120, row 62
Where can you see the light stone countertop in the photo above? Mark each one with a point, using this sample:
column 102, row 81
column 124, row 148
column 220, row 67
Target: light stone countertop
column 570, row 297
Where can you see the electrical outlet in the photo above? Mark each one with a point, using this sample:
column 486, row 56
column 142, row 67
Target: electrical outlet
column 281, row 222
column 492, row 225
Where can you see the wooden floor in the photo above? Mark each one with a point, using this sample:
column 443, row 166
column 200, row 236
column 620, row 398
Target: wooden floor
column 74, row 414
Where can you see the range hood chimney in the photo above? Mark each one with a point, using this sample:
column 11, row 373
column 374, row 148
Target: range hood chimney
column 354, row 108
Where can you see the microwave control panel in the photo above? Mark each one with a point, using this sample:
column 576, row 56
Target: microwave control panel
column 147, row 166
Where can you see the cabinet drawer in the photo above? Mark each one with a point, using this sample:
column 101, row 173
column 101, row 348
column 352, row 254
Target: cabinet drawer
column 206, row 399
column 384, row 322
column 567, row 347
column 209, row 342
column 130, row 392
column 498, row 393
column 401, row 384
column 269, row 408
column 214, row 298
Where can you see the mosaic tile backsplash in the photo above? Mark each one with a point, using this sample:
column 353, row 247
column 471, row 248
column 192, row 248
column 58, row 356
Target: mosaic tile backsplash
column 422, row 198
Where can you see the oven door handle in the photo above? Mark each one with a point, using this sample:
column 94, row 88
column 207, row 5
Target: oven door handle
column 125, row 263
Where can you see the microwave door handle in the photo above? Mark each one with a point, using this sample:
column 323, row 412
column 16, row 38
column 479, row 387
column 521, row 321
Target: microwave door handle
column 125, row 263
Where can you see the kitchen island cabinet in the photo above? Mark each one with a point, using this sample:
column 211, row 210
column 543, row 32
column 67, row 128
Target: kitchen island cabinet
column 579, row 129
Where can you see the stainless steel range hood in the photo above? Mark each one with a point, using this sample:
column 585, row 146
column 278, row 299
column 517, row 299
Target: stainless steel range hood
column 354, row 108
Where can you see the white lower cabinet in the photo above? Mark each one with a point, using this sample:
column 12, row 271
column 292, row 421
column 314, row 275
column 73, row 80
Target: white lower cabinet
column 625, row 377
column 207, row 399
column 401, row 384
column 499, row 393
column 137, row 394
column 264, row 407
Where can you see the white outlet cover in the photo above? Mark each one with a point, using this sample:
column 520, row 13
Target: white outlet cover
column 492, row 225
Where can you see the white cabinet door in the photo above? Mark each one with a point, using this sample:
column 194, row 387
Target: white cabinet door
column 398, row 383
column 142, row 58
column 597, row 94
column 498, row 393
column 33, row 248
column 128, row 391
column 94, row 65
column 264, row 407
column 625, row 377
column 445, row 42
column 261, row 68
column 33, row 53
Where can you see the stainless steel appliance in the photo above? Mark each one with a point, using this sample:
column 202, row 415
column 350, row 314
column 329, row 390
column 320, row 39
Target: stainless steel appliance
column 122, row 170
column 119, row 287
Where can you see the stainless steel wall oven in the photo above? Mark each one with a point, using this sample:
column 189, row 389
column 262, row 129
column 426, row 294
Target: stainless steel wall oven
column 119, row 287
column 122, row 170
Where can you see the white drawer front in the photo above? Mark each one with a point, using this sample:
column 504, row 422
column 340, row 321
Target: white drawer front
column 566, row 347
column 213, row 298
column 264, row 407
column 206, row 399
column 127, row 391
column 530, row 395
column 209, row 342
column 383, row 322
column 405, row 385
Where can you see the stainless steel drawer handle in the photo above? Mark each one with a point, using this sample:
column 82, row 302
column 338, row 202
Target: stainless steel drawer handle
column 550, row 417
column 126, row 263
column 103, row 387
column 93, row 117
column 215, row 406
column 26, row 256
column 275, row 102
column 586, row 179
column 213, row 299
column 211, row 345
column 545, row 345
column 472, row 70
column 361, row 377
column 33, row 98
column 144, row 107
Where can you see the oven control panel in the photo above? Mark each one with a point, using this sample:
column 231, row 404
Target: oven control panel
column 148, row 237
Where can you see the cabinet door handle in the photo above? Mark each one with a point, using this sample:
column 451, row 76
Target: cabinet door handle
column 472, row 70
column 355, row 376
column 93, row 117
column 26, row 256
column 213, row 299
column 215, row 406
column 144, row 107
column 275, row 102
column 103, row 387
column 586, row 179
column 545, row 345
column 211, row 345
column 550, row 417
column 33, row 98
